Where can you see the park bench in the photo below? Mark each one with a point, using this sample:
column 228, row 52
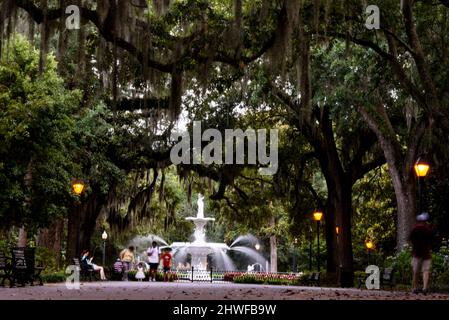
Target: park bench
column 313, row 279
column 361, row 280
column 316, row 277
column 86, row 271
column 24, row 268
column 388, row 278
column 34, row 270
column 20, row 272
column 5, row 268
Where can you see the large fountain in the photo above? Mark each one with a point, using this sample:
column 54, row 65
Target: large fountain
column 199, row 249
column 202, row 253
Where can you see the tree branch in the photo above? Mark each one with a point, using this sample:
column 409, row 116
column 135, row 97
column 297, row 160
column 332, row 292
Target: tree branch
column 133, row 104
column 391, row 148
column 284, row 99
column 314, row 194
column 106, row 30
column 367, row 167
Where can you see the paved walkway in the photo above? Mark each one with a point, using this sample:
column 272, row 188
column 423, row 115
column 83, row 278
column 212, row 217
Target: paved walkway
column 200, row 291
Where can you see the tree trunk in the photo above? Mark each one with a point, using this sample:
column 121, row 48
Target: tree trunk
column 81, row 225
column 331, row 245
column 23, row 237
column 51, row 238
column 400, row 167
column 91, row 212
column 273, row 254
column 343, row 214
column 339, row 205
column 404, row 188
column 406, row 202
column 73, row 233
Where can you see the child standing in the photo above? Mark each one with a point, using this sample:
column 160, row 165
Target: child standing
column 166, row 263
column 140, row 275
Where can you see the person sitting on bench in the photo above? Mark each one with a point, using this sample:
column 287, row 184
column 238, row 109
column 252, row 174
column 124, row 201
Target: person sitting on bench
column 87, row 259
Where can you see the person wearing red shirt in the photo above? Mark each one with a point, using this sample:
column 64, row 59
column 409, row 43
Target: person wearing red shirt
column 166, row 263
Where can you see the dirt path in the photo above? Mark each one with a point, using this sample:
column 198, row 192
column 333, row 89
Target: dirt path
column 200, row 291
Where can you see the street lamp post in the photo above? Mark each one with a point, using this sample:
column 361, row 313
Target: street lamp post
column 104, row 236
column 421, row 170
column 369, row 246
column 78, row 187
column 310, row 249
column 317, row 216
column 337, row 233
column 295, row 267
column 257, row 246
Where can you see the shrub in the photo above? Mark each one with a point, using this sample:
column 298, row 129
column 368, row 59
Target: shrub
column 46, row 258
column 401, row 262
column 442, row 281
column 54, row 277
column 229, row 276
column 248, row 278
column 172, row 276
column 132, row 275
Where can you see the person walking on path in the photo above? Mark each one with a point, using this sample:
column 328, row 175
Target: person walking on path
column 153, row 253
column 127, row 258
column 421, row 238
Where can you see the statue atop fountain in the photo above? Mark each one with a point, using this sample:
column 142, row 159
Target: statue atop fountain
column 200, row 222
column 200, row 202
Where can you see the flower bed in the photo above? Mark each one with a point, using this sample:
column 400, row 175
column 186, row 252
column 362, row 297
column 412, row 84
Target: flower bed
column 262, row 278
column 229, row 276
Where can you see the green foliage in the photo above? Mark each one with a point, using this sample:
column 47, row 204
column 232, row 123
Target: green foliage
column 93, row 139
column 374, row 217
column 54, row 277
column 35, row 126
column 402, row 264
column 171, row 276
column 263, row 278
column 47, row 259
column 442, row 281
column 403, row 272
column 7, row 243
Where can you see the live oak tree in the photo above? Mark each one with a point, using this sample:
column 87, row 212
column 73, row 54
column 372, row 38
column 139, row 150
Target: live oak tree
column 35, row 125
column 148, row 45
column 412, row 41
column 139, row 57
column 345, row 148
